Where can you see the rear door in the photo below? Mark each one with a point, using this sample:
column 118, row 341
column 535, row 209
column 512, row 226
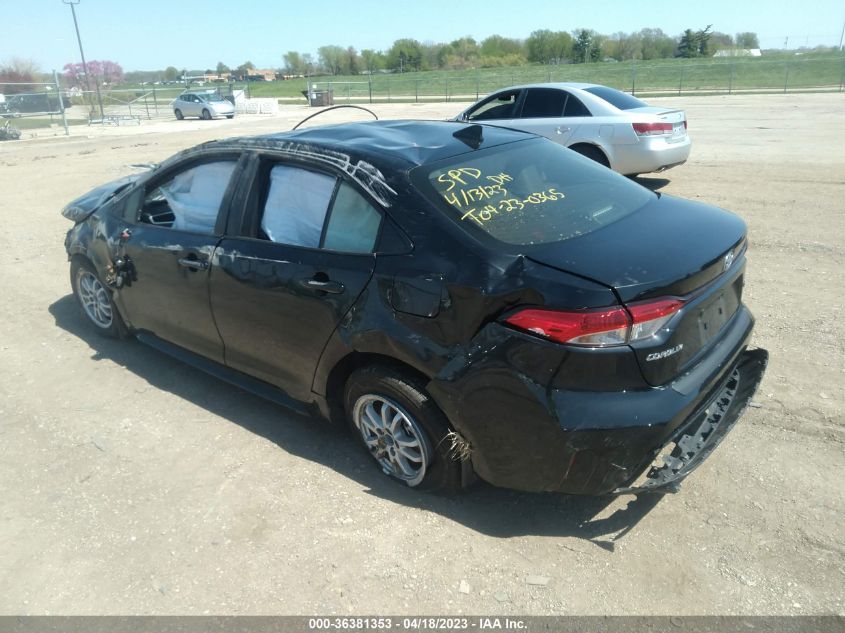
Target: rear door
column 176, row 222
column 554, row 113
column 298, row 262
column 191, row 105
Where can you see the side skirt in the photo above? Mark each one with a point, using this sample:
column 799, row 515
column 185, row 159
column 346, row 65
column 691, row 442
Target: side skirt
column 236, row 378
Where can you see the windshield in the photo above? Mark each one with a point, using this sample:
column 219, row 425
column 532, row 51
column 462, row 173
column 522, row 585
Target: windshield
column 530, row 192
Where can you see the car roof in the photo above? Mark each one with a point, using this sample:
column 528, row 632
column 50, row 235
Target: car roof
column 557, row 84
column 397, row 144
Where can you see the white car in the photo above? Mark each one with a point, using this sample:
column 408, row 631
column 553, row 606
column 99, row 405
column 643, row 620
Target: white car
column 205, row 105
column 607, row 125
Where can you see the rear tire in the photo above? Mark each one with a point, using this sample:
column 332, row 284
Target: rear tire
column 178, row 113
column 592, row 152
column 401, row 427
column 206, row 115
column 95, row 300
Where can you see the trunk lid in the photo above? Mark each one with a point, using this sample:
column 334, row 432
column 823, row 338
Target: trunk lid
column 662, row 114
column 669, row 248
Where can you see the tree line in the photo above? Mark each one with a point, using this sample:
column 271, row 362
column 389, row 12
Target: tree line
column 543, row 46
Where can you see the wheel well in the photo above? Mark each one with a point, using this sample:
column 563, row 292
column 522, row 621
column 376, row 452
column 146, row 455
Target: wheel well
column 343, row 369
column 592, row 149
column 82, row 258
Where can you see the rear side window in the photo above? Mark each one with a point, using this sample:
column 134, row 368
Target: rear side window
column 616, row 98
column 529, row 192
column 543, row 103
column 574, row 107
column 353, row 224
column 309, row 208
column 296, row 205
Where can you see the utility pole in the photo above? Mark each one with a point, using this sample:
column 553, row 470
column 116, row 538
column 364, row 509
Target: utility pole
column 73, row 4
column 841, row 36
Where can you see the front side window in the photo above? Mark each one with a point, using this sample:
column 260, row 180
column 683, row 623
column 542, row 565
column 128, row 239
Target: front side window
column 502, row 106
column 296, row 205
column 190, row 200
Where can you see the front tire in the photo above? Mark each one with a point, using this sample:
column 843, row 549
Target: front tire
column 401, row 427
column 178, row 113
column 230, row 116
column 206, row 115
column 95, row 300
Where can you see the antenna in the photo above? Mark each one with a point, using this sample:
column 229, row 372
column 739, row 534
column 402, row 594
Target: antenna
column 472, row 135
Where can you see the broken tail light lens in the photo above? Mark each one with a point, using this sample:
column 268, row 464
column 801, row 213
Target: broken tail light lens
column 652, row 129
column 598, row 328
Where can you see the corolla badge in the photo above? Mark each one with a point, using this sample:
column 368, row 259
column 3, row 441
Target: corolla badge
column 729, row 260
column 665, row 352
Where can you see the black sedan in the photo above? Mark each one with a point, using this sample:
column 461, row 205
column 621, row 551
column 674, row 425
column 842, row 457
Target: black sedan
column 474, row 301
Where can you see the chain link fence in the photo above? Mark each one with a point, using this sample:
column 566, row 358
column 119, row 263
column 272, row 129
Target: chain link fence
column 727, row 76
column 32, row 105
column 40, row 105
column 25, row 105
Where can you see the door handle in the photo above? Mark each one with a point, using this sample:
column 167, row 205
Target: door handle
column 331, row 287
column 562, row 130
column 193, row 263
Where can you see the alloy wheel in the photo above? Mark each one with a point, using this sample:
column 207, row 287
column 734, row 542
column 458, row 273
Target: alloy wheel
column 393, row 437
column 94, row 298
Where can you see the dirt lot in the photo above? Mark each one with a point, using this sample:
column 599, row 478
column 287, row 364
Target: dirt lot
column 132, row 484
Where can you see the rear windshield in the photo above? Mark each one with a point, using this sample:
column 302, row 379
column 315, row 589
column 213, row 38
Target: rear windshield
column 530, row 192
column 621, row 100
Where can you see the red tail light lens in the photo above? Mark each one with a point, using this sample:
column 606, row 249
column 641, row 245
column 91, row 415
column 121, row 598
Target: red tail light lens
column 685, row 124
column 652, row 129
column 603, row 327
column 598, row 328
column 650, row 316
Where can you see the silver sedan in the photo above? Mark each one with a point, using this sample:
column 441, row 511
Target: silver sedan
column 205, row 105
column 609, row 126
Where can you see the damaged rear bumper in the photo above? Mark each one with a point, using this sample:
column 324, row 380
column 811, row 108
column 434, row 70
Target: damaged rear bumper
column 705, row 430
column 530, row 431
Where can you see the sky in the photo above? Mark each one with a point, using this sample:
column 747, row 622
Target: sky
column 154, row 34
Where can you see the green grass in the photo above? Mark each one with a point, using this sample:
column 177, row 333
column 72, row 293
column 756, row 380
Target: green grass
column 773, row 72
column 674, row 75
column 37, row 122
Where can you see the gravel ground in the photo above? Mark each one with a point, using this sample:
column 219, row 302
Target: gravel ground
column 132, row 484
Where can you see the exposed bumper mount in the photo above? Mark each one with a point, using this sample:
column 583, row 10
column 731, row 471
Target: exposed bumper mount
column 697, row 439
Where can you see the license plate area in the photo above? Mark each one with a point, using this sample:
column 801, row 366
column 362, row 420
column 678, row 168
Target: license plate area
column 712, row 318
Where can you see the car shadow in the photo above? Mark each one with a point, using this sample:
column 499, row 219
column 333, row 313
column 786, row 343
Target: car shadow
column 652, row 183
column 492, row 511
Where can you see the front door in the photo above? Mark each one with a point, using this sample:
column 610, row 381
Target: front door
column 170, row 247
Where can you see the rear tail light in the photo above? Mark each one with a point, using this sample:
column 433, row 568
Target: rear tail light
column 652, row 129
column 685, row 124
column 598, row 328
